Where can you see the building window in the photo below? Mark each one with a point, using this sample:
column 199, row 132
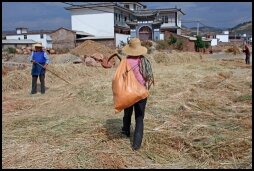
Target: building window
column 134, row 6
column 41, row 36
column 120, row 15
column 125, row 18
column 127, row 6
column 163, row 20
column 166, row 19
column 19, row 38
column 115, row 16
column 171, row 18
column 25, row 36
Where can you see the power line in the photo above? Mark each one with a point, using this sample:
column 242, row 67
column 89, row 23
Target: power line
column 82, row 6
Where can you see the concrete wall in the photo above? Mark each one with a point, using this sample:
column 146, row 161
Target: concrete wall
column 156, row 35
column 161, row 36
column 94, row 22
column 222, row 38
column 121, row 37
column 179, row 31
column 133, row 33
column 214, row 42
column 63, row 39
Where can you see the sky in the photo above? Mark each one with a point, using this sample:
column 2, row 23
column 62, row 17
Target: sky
column 52, row 15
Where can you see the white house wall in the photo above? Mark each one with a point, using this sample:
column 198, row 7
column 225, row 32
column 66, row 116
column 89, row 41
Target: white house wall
column 94, row 22
column 222, row 38
column 214, row 42
column 161, row 36
column 34, row 37
column 179, row 15
column 168, row 25
column 121, row 37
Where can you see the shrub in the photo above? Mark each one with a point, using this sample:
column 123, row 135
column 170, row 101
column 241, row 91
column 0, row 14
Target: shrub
column 162, row 44
column 11, row 50
column 148, row 44
column 172, row 40
column 179, row 45
column 207, row 45
column 199, row 43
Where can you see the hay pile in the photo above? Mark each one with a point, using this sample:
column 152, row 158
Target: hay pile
column 166, row 58
column 63, row 58
column 198, row 115
column 90, row 47
column 21, row 79
column 16, row 80
column 233, row 49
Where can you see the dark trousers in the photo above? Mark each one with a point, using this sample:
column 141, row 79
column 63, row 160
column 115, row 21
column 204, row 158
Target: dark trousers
column 247, row 59
column 34, row 83
column 139, row 108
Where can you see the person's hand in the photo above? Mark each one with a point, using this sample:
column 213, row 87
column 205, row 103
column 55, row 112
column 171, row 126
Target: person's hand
column 45, row 66
column 33, row 61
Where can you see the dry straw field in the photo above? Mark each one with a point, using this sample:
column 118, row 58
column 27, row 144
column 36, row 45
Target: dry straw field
column 198, row 115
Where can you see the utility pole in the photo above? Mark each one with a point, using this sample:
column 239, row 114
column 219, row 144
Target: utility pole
column 197, row 27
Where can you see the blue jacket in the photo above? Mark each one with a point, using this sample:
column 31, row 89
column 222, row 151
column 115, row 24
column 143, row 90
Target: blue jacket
column 42, row 58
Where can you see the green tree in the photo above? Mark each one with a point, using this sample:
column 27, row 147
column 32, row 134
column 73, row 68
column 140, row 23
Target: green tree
column 179, row 45
column 172, row 40
column 207, row 45
column 11, row 50
column 199, row 43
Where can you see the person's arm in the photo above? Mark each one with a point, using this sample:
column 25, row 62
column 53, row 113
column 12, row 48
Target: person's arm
column 31, row 57
column 47, row 59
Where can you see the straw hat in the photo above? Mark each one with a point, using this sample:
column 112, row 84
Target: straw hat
column 38, row 45
column 134, row 48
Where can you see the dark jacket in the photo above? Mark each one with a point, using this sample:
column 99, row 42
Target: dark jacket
column 247, row 51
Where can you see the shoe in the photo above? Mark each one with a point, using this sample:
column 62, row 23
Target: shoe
column 137, row 140
column 125, row 132
column 135, row 148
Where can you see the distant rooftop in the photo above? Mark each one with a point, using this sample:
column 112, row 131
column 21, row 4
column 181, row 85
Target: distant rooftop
column 28, row 32
column 97, row 37
column 14, row 41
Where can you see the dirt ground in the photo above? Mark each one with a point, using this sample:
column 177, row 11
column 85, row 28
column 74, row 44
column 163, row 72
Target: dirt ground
column 198, row 115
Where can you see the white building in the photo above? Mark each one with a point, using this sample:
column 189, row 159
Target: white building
column 38, row 36
column 223, row 37
column 214, row 42
column 121, row 20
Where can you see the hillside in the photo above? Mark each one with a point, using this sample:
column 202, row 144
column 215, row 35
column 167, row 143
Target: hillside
column 245, row 27
column 242, row 28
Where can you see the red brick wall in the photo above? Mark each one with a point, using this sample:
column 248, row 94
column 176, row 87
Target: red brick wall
column 187, row 44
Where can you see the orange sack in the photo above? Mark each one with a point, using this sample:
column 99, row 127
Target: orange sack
column 126, row 88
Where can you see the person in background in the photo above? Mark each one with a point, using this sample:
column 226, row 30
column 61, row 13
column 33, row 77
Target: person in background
column 247, row 53
column 134, row 51
column 37, row 57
